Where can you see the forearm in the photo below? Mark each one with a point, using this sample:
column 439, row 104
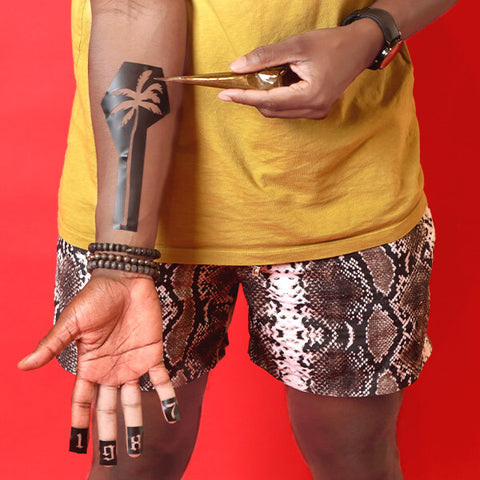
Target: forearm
column 409, row 15
column 151, row 33
column 414, row 15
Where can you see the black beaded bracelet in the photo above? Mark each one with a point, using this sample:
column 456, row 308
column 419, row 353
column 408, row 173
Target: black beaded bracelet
column 121, row 248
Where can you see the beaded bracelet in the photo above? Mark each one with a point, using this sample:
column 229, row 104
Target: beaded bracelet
column 122, row 258
column 117, row 260
column 117, row 247
column 134, row 267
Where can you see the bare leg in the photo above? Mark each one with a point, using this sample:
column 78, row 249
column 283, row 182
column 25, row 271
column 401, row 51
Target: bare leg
column 167, row 447
column 347, row 438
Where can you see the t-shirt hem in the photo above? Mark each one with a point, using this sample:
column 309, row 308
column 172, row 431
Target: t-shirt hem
column 279, row 255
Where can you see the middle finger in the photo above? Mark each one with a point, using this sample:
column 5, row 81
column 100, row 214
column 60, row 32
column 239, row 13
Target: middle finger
column 106, row 411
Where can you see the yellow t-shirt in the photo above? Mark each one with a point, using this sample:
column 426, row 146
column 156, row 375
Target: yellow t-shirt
column 245, row 189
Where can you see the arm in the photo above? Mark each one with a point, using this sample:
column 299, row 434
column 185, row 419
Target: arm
column 143, row 33
column 116, row 319
column 327, row 60
column 412, row 16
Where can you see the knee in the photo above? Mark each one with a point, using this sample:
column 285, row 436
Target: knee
column 346, row 439
column 369, row 458
column 348, row 459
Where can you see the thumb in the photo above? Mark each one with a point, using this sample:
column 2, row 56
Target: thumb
column 284, row 52
column 51, row 345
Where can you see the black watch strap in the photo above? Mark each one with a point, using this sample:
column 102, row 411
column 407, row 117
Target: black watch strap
column 385, row 21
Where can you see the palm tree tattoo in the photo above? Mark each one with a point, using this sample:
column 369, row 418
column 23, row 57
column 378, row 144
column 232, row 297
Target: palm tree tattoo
column 135, row 100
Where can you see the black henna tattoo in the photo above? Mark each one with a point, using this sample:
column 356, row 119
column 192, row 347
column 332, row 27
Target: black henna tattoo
column 170, row 410
column 78, row 440
column 135, row 100
column 134, row 440
column 108, row 452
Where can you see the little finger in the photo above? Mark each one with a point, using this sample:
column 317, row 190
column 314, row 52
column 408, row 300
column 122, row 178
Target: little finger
column 163, row 386
column 306, row 113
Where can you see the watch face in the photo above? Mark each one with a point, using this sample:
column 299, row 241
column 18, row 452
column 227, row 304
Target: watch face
column 390, row 54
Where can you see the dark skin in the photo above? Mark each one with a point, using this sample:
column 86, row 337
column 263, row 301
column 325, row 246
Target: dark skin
column 327, row 61
column 347, row 438
column 116, row 319
column 177, row 440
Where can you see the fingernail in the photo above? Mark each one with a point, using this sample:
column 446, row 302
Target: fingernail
column 170, row 410
column 238, row 63
column 108, row 452
column 224, row 96
column 78, row 440
column 135, row 440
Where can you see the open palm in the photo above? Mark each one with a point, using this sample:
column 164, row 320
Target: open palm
column 117, row 325
column 116, row 322
column 118, row 328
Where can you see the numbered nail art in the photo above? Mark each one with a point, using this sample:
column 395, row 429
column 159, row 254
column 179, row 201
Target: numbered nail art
column 134, row 440
column 170, row 410
column 78, row 440
column 108, row 452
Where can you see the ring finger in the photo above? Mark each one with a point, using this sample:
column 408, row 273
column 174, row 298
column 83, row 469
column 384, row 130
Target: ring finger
column 132, row 411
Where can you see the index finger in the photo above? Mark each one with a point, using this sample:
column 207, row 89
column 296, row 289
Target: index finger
column 82, row 398
column 292, row 97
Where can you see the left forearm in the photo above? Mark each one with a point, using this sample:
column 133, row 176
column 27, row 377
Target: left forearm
column 133, row 45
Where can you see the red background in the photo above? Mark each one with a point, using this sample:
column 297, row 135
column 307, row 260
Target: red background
column 245, row 432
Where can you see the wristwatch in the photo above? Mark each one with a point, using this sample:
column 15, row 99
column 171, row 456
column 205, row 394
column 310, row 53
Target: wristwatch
column 391, row 34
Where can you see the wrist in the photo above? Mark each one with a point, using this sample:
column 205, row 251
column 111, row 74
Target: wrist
column 369, row 38
column 123, row 258
column 138, row 239
column 390, row 32
column 118, row 275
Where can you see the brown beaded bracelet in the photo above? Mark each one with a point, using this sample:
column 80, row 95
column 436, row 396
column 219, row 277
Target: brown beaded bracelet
column 111, row 257
column 121, row 248
column 133, row 267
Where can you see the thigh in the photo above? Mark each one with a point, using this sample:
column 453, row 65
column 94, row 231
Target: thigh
column 343, row 421
column 167, row 447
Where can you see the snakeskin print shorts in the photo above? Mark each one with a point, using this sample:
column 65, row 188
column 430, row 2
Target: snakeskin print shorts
column 353, row 325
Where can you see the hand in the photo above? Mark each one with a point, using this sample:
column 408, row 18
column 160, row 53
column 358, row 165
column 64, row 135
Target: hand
column 117, row 324
column 326, row 60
